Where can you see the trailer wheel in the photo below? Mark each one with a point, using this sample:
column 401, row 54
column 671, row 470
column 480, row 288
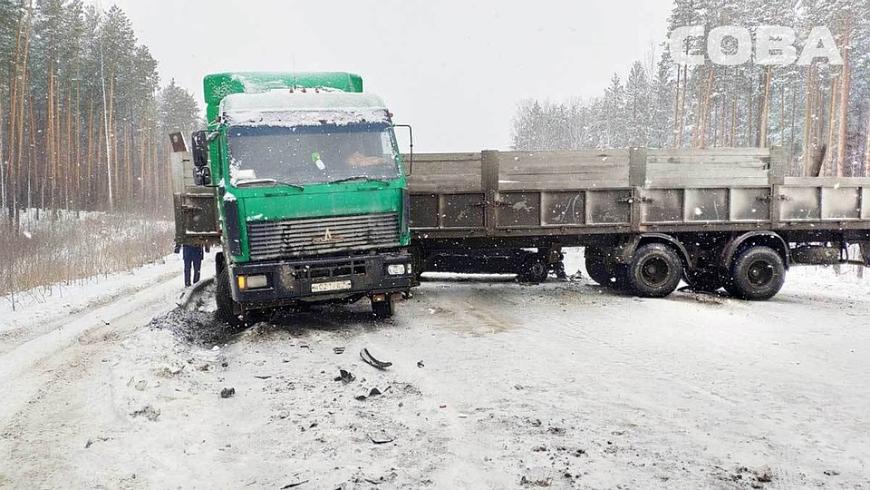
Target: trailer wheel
column 533, row 270
column 597, row 266
column 704, row 280
column 383, row 309
column 655, row 271
column 758, row 273
column 228, row 311
column 604, row 270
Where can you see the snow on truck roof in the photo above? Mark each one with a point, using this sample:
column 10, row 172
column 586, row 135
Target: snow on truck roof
column 297, row 108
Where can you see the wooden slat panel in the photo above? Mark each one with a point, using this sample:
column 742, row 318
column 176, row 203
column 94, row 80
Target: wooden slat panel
column 721, row 151
column 441, row 168
column 570, row 179
column 469, row 179
column 441, row 188
column 442, row 157
column 562, row 169
column 679, row 182
column 749, row 204
column 663, row 171
column 828, row 181
column 561, row 185
column 841, row 203
column 704, row 167
column 556, row 154
column 707, row 160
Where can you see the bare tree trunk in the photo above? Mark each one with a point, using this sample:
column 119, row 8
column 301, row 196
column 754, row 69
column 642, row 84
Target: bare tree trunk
column 782, row 115
column 764, row 111
column 90, row 157
column 791, row 158
column 106, row 111
column 750, row 133
column 21, row 144
column 677, row 107
column 845, row 80
column 704, row 94
column 867, row 149
column 832, row 124
column 2, row 161
column 17, row 87
column 77, row 190
column 809, row 120
column 49, row 139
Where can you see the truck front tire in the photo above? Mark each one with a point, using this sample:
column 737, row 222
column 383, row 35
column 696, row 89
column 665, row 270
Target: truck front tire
column 757, row 274
column 383, row 309
column 655, row 271
column 228, row 311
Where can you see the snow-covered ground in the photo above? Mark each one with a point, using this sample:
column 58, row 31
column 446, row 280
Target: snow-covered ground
column 493, row 385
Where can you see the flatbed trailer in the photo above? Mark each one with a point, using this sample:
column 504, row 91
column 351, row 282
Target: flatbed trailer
column 722, row 217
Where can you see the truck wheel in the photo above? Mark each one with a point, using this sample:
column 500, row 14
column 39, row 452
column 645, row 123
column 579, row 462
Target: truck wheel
column 596, row 266
column 757, row 274
column 228, row 311
column 383, row 309
column 704, row 280
column 534, row 270
column 604, row 270
column 655, row 271
column 219, row 263
column 418, row 261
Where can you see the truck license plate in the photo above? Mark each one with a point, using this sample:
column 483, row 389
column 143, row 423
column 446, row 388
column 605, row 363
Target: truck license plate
column 320, row 287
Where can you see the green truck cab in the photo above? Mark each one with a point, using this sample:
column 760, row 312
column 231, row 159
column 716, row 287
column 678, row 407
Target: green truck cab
column 309, row 193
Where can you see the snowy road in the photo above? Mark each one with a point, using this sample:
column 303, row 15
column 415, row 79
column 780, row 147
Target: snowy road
column 562, row 385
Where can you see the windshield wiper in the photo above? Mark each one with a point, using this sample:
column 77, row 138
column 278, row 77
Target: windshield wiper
column 360, row 177
column 269, row 181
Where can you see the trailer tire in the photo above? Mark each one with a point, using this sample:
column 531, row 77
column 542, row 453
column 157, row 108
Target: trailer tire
column 596, row 266
column 757, row 274
column 383, row 309
column 604, row 270
column 533, row 270
column 655, row 271
column 704, row 280
column 228, row 311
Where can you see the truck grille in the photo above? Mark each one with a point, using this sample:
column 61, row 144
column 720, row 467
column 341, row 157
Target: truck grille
column 314, row 236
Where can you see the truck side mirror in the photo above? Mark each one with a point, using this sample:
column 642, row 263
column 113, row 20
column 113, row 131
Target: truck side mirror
column 177, row 141
column 199, row 142
column 411, row 139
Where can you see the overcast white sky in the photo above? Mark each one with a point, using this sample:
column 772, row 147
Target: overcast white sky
column 453, row 69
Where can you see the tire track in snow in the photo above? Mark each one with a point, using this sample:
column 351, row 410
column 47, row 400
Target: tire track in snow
column 29, row 365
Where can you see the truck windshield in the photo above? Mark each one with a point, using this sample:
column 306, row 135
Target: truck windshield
column 267, row 155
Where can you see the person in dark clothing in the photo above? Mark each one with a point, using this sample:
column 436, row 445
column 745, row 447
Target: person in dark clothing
column 192, row 255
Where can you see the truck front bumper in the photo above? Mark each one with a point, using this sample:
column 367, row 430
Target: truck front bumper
column 319, row 280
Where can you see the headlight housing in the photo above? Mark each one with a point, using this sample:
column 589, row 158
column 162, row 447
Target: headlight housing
column 252, row 282
column 396, row 269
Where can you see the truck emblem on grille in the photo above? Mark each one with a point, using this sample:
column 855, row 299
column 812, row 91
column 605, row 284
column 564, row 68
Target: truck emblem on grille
column 327, row 237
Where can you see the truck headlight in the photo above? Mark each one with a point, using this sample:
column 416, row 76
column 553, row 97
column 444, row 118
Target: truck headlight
column 396, row 269
column 252, row 282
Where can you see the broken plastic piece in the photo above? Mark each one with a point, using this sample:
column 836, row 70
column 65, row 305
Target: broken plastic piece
column 345, row 376
column 366, row 356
